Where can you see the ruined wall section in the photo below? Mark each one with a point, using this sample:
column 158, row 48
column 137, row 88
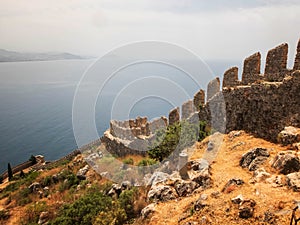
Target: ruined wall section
column 276, row 63
column 231, row 78
column 213, row 88
column 262, row 104
column 251, row 69
column 297, row 59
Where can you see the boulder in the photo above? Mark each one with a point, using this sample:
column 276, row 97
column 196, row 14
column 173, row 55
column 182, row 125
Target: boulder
column 162, row 193
column 254, row 158
column 149, row 209
column 293, row 181
column 82, row 172
column 199, row 172
column 286, row 162
column 275, row 181
column 260, row 175
column 34, row 187
column 158, row 177
column 185, row 188
column 289, row 136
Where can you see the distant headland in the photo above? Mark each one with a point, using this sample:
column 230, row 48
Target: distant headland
column 12, row 56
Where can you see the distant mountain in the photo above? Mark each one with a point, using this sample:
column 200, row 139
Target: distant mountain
column 10, row 56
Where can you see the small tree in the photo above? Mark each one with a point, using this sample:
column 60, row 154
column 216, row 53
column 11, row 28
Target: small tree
column 9, row 172
column 22, row 174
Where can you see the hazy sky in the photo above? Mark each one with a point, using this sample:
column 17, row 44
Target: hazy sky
column 217, row 29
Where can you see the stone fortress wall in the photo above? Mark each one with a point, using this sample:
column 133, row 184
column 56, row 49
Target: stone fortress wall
column 259, row 103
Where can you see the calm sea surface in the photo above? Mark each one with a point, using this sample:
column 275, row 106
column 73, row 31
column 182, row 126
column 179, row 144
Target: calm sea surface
column 36, row 105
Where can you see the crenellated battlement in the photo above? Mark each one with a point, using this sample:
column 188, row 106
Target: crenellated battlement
column 231, row 78
column 262, row 104
column 251, row 70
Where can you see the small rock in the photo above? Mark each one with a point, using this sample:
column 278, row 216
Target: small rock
column 269, row 217
column 260, row 175
column 293, row 181
column 199, row 204
column 275, row 180
column 286, row 162
column 238, row 199
column 34, row 187
column 204, row 197
column 232, row 185
column 215, row 194
column 82, row 172
column 234, row 133
column 289, row 135
column 246, row 209
column 115, row 190
column 254, row 158
column 43, row 217
column 149, row 209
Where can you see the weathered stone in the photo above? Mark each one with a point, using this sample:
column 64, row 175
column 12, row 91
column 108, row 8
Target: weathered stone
column 199, row 204
column 162, row 193
column 43, row 218
column 199, row 99
column 254, row 158
column 246, row 209
column 269, row 217
column 148, row 210
column 187, row 109
column 34, row 187
column 251, row 69
column 289, row 135
column 286, row 162
column 82, row 172
column 232, row 184
column 174, row 116
column 238, row 199
column 199, row 172
column 213, row 88
column 276, row 63
column 158, row 178
column 293, row 181
column 185, row 188
column 230, row 78
column 260, row 175
column 275, row 181
column 297, row 59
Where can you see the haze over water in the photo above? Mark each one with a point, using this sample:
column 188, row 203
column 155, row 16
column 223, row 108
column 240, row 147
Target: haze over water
column 36, row 106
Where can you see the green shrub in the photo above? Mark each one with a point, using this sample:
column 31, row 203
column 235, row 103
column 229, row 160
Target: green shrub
column 69, row 182
column 47, row 181
column 84, row 210
column 33, row 212
column 128, row 161
column 23, row 197
column 177, row 137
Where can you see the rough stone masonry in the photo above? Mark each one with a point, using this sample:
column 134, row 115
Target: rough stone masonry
column 261, row 104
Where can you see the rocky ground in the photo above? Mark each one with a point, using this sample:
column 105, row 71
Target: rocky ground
column 229, row 179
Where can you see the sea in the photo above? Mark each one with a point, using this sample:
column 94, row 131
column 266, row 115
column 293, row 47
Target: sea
column 36, row 102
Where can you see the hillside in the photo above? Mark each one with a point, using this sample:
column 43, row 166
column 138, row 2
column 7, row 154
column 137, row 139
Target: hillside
column 274, row 198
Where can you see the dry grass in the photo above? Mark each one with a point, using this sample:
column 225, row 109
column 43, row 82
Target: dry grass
column 225, row 165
